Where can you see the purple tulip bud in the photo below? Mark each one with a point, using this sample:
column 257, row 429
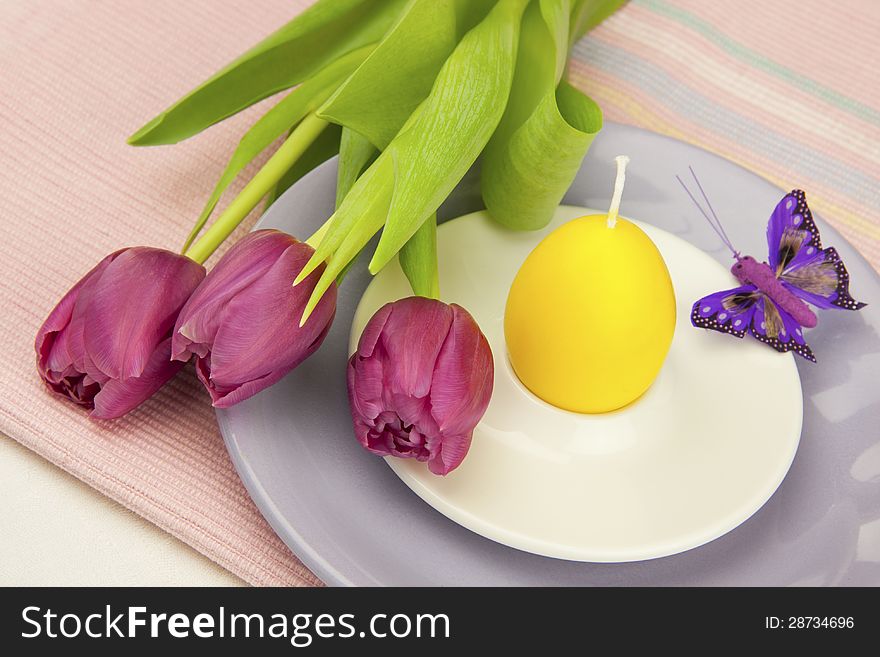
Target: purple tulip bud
column 420, row 381
column 243, row 321
column 107, row 344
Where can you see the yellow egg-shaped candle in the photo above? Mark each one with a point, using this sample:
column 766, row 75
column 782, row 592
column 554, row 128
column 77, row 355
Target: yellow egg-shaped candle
column 590, row 314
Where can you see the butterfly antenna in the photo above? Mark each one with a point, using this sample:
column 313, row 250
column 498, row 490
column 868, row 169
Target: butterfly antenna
column 716, row 227
column 712, row 210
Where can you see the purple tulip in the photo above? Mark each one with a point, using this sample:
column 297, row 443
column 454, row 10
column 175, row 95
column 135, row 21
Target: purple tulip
column 242, row 322
column 419, row 382
column 107, row 344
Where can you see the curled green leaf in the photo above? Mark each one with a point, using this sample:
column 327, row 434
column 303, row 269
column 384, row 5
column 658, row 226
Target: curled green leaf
column 523, row 187
column 315, row 38
column 546, row 129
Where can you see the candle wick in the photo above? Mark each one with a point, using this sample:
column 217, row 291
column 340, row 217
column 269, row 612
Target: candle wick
column 614, row 208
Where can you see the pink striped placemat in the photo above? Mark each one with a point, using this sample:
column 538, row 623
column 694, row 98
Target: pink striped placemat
column 790, row 90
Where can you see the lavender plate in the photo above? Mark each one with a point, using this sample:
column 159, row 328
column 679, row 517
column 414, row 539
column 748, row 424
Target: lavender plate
column 351, row 520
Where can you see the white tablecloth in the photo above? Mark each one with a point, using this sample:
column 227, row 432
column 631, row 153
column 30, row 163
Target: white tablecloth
column 57, row 531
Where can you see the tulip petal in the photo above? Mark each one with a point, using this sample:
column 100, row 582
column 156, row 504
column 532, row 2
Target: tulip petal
column 449, row 453
column 260, row 339
column 52, row 342
column 413, row 411
column 464, row 376
column 365, row 386
column 60, row 361
column 117, row 397
column 224, row 398
column 248, row 260
column 413, row 336
column 373, row 331
column 75, row 333
column 247, row 390
column 134, row 306
column 362, row 433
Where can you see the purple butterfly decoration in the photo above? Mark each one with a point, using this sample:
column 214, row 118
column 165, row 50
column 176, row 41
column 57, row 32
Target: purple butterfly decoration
column 774, row 298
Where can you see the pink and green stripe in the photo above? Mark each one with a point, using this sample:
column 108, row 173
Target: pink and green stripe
column 754, row 92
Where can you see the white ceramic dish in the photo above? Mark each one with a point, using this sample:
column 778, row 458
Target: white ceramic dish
column 677, row 468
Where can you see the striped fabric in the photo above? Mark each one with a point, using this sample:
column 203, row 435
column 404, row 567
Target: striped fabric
column 789, row 89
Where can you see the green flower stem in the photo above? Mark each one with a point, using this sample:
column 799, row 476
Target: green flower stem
column 261, row 184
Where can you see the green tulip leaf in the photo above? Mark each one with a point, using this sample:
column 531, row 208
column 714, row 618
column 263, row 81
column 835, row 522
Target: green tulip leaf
column 306, row 98
column 450, row 129
column 418, row 257
column 379, row 97
column 418, row 260
column 358, row 218
column 469, row 13
column 546, row 130
column 587, row 14
column 430, row 154
column 356, row 152
column 294, row 53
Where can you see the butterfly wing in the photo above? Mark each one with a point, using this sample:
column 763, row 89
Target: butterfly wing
column 746, row 309
column 819, row 277
column 816, row 275
column 728, row 311
column 790, row 231
column 775, row 327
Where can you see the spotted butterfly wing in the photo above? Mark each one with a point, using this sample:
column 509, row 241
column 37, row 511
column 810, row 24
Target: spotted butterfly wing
column 746, row 309
column 776, row 328
column 729, row 311
column 815, row 275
